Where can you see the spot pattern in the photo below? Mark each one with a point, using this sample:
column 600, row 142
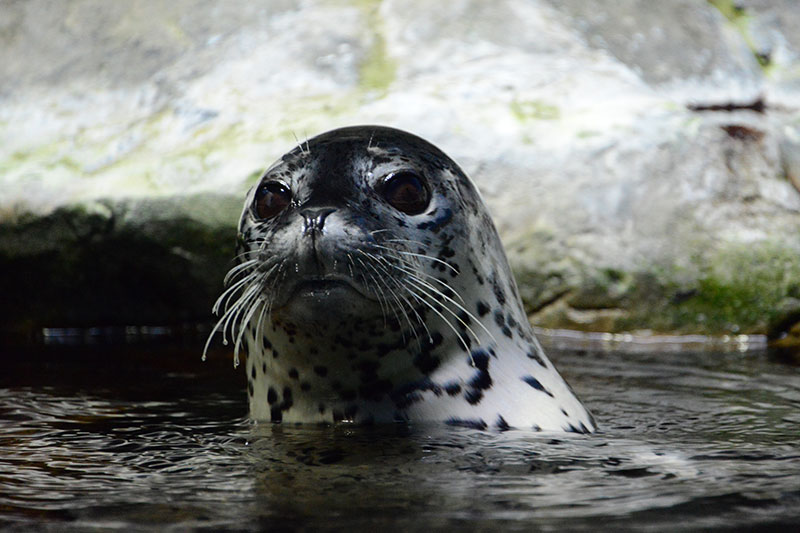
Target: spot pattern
column 533, row 382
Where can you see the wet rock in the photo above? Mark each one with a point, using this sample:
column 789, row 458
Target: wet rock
column 640, row 158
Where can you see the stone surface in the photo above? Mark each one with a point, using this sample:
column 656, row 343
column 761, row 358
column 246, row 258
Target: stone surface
column 641, row 159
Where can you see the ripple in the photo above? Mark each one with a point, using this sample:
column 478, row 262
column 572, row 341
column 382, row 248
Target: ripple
column 709, row 437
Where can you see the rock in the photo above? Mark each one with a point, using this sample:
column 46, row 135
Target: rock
column 640, row 158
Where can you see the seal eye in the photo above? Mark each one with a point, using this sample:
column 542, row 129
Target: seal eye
column 406, row 192
column 271, row 199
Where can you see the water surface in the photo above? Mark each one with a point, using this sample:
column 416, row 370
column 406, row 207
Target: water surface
column 145, row 436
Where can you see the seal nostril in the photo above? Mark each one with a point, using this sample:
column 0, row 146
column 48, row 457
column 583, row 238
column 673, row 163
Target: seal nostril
column 314, row 219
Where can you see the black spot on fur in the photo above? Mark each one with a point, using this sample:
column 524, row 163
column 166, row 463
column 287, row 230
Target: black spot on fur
column 447, row 291
column 501, row 424
column 272, row 396
column 482, row 308
column 481, row 380
column 455, row 271
column 473, row 396
column 452, row 388
column 305, row 386
column 287, row 399
column 321, row 371
column 464, row 342
column 582, row 430
column 253, row 372
column 498, row 290
column 533, row 382
column 426, row 363
column 293, row 373
column 433, row 342
column 480, row 359
column 422, row 385
column 471, row 423
column 533, row 354
column 250, row 390
column 464, row 321
column 499, row 319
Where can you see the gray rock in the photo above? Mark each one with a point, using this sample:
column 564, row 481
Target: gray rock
column 640, row 158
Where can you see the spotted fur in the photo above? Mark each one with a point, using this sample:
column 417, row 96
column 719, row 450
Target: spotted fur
column 375, row 315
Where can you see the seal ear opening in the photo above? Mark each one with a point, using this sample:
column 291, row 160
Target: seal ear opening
column 406, row 191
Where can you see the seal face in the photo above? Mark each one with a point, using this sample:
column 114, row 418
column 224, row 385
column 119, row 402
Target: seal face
column 371, row 286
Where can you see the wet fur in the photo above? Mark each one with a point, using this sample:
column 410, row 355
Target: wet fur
column 435, row 330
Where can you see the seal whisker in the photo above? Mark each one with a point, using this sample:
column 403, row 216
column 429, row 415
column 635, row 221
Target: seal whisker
column 421, row 256
column 380, row 262
column 430, row 291
column 222, row 323
column 300, row 145
column 376, row 293
column 245, row 256
column 259, row 332
column 414, row 271
column 432, row 307
column 238, row 269
column 375, row 265
column 243, row 325
column 436, row 291
column 421, row 282
column 231, row 315
column 230, row 291
column 416, row 275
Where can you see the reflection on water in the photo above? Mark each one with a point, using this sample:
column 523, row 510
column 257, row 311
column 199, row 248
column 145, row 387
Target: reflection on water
column 124, row 437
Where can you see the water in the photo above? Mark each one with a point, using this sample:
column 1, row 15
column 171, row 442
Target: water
column 146, row 437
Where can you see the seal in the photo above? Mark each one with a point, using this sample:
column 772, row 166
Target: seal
column 371, row 286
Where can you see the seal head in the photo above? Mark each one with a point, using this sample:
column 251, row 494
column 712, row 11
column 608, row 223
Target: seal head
column 371, row 286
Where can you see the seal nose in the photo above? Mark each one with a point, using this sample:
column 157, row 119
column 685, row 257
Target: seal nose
column 314, row 219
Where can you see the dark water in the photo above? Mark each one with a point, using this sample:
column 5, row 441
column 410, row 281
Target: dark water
column 147, row 437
